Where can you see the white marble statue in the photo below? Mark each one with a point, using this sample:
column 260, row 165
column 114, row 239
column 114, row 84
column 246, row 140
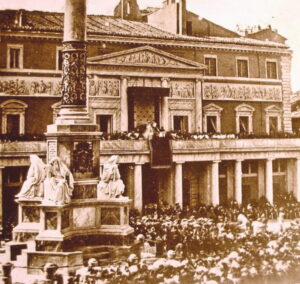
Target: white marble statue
column 33, row 185
column 59, row 183
column 111, row 185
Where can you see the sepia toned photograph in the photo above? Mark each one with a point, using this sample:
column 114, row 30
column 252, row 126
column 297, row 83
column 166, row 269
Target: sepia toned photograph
column 149, row 142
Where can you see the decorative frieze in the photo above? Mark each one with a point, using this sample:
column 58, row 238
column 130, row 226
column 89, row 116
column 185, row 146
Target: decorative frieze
column 239, row 92
column 25, row 87
column 144, row 82
column 104, row 87
column 144, row 57
column 182, row 89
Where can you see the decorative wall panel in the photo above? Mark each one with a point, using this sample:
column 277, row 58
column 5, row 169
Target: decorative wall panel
column 239, row 92
column 104, row 87
column 182, row 89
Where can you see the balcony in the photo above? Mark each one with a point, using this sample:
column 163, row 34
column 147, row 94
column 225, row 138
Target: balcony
column 22, row 148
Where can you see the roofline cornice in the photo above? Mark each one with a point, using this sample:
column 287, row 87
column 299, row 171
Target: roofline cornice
column 205, row 45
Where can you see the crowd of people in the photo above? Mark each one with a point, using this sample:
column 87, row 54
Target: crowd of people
column 223, row 244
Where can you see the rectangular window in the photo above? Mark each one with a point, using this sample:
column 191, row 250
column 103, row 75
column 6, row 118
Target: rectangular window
column 59, row 59
column 273, row 123
column 104, row 123
column 14, row 58
column 244, row 124
column 13, row 124
column 181, row 123
column 211, row 64
column 211, row 121
column 271, row 70
column 189, row 28
column 242, row 68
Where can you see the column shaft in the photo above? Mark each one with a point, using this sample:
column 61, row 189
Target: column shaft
column 1, row 196
column 215, row 195
column 238, row 181
column 269, row 180
column 124, row 104
column 178, row 184
column 138, row 188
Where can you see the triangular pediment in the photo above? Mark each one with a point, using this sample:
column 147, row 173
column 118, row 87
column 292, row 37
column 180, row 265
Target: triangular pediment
column 145, row 56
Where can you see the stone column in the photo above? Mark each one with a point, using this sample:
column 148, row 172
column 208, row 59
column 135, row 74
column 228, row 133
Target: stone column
column 261, row 179
column 215, row 194
column 269, row 180
column 165, row 106
column 297, row 179
column 124, row 104
column 74, row 61
column 138, row 187
column 1, row 194
column 230, row 181
column 178, row 184
column 238, row 181
column 198, row 106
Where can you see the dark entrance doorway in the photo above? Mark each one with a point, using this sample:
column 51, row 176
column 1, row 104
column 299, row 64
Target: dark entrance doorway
column 150, row 184
column 246, row 194
column 144, row 104
column 186, row 188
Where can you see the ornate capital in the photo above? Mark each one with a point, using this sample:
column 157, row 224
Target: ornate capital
column 74, row 74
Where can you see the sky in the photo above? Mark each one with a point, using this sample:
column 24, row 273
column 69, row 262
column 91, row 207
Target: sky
column 282, row 15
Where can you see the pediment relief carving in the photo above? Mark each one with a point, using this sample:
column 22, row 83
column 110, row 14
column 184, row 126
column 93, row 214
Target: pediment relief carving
column 145, row 56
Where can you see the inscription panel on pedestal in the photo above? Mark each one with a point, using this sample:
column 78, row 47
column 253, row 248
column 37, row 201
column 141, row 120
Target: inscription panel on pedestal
column 239, row 92
column 51, row 149
column 110, row 216
column 84, row 217
column 83, row 157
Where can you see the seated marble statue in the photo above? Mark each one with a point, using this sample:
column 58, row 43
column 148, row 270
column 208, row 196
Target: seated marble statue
column 59, row 183
column 111, row 185
column 33, row 185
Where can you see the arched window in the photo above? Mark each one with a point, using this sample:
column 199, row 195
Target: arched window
column 13, row 117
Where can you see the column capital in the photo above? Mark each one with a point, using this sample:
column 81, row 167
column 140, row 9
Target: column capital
column 216, row 161
column 239, row 160
column 270, row 159
column 124, row 77
column 179, row 163
column 199, row 80
column 165, row 79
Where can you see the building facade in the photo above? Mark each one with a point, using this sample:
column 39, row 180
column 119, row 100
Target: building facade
column 226, row 87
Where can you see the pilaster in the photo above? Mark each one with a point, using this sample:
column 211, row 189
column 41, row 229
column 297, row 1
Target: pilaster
column 165, row 106
column 286, row 92
column 124, row 104
column 297, row 179
column 198, row 106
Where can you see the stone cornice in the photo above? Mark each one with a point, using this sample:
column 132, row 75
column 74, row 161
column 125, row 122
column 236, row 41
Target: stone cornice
column 216, row 45
column 30, row 72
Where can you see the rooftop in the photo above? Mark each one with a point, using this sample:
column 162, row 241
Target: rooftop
column 39, row 21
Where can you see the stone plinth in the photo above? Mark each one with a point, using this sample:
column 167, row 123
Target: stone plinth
column 84, row 223
column 28, row 221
